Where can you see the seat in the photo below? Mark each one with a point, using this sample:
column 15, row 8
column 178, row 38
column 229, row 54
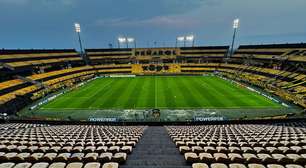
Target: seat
column 7, row 165
column 119, row 157
column 62, row 157
column 282, row 159
column 58, row 165
column 91, row 157
column 105, row 157
column 210, row 149
column 23, row 165
column 22, row 148
column 251, row 158
column 233, row 149
column 65, row 149
column 200, row 165
column 206, row 157
column 127, row 149
column 248, row 150
column 191, row 157
column 184, row 149
column 110, row 165
column 236, row 158
column 221, row 157
column 266, row 158
column 190, row 143
column 255, row 165
column 273, row 150
column 35, row 157
column 285, row 150
column 9, row 156
column 54, row 149
column 120, row 143
column 20, row 157
column 114, row 149
column 293, row 166
column 298, row 149
column 77, row 149
column 76, row 157
column 297, row 159
column 221, row 149
column 89, row 149
column 75, row 165
column 49, row 157
column 101, row 149
column 197, row 149
column 275, row 166
column 260, row 150
column 40, row 165
column 131, row 143
column 237, row 165
column 218, row 165
column 92, row 165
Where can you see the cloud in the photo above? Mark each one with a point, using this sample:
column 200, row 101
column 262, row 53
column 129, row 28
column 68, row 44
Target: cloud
column 44, row 2
column 14, row 2
column 177, row 21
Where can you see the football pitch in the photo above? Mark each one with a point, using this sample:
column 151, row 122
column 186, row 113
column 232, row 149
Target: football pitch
column 160, row 92
column 179, row 98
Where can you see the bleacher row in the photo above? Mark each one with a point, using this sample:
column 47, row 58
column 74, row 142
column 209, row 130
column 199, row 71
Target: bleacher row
column 66, row 146
column 279, row 145
column 242, row 145
column 24, row 58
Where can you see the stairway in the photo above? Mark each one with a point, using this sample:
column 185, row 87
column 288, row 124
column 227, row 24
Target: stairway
column 155, row 150
column 38, row 84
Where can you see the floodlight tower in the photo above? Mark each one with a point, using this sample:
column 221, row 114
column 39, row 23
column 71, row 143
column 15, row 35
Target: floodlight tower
column 77, row 27
column 131, row 40
column 121, row 40
column 235, row 26
column 179, row 39
column 190, row 38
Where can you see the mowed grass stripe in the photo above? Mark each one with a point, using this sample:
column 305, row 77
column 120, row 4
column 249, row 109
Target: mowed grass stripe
column 226, row 96
column 210, row 98
column 174, row 85
column 146, row 96
column 239, row 97
column 98, row 94
column 149, row 92
column 188, row 92
column 166, row 98
column 244, row 97
column 134, row 94
column 69, row 99
column 113, row 95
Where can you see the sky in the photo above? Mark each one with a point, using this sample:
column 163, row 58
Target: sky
column 49, row 23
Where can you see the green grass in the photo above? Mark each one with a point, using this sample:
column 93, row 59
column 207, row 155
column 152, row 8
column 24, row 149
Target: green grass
column 162, row 92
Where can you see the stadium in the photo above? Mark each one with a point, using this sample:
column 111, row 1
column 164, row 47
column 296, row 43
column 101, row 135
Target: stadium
column 178, row 106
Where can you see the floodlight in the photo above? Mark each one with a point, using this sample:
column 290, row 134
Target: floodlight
column 181, row 38
column 77, row 27
column 130, row 40
column 236, row 23
column 189, row 38
column 122, row 39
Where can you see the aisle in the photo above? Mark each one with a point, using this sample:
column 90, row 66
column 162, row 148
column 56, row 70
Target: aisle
column 155, row 150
